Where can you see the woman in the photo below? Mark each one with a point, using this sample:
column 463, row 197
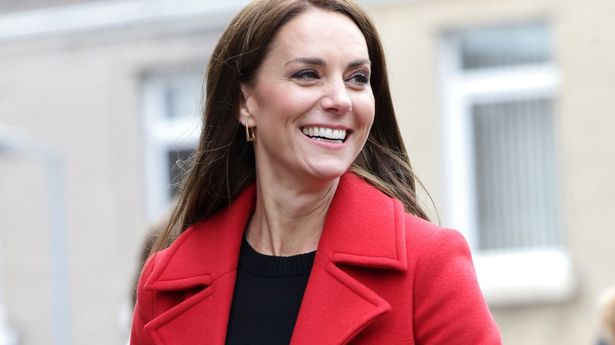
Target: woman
column 306, row 230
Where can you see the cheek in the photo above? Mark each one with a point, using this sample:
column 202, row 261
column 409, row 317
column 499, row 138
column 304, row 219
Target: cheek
column 281, row 103
column 365, row 110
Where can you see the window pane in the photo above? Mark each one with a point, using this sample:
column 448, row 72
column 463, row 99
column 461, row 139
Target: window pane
column 505, row 46
column 515, row 172
column 176, row 164
column 183, row 96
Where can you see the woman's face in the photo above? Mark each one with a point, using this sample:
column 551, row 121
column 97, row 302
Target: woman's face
column 311, row 101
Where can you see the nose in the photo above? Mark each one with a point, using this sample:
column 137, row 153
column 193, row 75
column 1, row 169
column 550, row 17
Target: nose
column 336, row 98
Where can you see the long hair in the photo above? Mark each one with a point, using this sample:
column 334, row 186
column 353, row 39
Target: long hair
column 223, row 163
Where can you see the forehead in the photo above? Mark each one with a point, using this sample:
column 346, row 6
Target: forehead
column 317, row 32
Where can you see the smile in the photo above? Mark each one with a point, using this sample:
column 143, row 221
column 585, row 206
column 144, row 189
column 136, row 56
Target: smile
column 325, row 134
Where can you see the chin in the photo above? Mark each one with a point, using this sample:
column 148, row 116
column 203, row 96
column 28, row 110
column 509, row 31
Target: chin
column 328, row 171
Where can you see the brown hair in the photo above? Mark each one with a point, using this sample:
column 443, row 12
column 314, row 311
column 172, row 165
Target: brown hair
column 223, row 163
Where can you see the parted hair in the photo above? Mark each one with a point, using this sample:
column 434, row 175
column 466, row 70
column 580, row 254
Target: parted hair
column 223, row 163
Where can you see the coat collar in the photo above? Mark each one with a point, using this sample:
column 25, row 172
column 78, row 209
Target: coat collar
column 363, row 227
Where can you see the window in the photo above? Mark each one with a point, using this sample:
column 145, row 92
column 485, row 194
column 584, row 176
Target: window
column 171, row 105
column 498, row 89
column 515, row 169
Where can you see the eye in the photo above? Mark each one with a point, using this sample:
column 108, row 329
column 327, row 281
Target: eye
column 359, row 78
column 306, row 74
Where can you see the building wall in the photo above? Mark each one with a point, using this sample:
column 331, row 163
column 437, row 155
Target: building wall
column 80, row 94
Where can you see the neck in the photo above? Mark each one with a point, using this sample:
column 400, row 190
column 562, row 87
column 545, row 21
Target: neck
column 288, row 218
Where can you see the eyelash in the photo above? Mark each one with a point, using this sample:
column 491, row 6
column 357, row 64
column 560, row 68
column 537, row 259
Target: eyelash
column 306, row 74
column 360, row 77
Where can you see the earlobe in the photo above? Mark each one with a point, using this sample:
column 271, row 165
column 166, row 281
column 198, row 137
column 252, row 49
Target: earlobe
column 245, row 115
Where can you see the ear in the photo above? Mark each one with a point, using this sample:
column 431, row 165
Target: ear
column 246, row 117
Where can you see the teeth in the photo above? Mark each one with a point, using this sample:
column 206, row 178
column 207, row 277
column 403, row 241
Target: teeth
column 326, row 133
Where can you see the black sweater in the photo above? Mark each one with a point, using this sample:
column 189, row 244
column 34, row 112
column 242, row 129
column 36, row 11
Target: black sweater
column 267, row 297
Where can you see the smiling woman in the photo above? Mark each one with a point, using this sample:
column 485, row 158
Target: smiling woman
column 306, row 230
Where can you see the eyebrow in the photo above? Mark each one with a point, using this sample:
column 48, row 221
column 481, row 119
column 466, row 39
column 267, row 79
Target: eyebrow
column 321, row 62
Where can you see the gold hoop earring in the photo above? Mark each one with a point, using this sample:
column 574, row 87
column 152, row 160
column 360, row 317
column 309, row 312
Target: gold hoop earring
column 250, row 134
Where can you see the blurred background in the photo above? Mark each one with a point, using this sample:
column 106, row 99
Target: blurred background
column 507, row 109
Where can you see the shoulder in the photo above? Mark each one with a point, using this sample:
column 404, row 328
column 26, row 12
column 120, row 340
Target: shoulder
column 448, row 302
column 437, row 253
column 424, row 237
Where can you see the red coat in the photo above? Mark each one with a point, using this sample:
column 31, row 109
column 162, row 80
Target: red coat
column 380, row 276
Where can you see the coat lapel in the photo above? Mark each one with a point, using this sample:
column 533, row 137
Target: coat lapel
column 363, row 228
column 198, row 272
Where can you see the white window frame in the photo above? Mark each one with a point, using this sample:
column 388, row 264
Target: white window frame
column 507, row 277
column 162, row 134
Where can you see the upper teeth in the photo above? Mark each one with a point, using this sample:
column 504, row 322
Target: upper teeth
column 327, row 133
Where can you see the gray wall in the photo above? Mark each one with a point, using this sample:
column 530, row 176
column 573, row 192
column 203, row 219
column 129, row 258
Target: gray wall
column 80, row 94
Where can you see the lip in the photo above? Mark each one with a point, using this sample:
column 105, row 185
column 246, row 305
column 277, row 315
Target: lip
column 348, row 130
column 324, row 144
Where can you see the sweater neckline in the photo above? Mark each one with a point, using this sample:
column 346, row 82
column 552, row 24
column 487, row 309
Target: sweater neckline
column 274, row 266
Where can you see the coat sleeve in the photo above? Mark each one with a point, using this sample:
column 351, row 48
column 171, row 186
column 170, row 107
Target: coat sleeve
column 143, row 307
column 449, row 306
